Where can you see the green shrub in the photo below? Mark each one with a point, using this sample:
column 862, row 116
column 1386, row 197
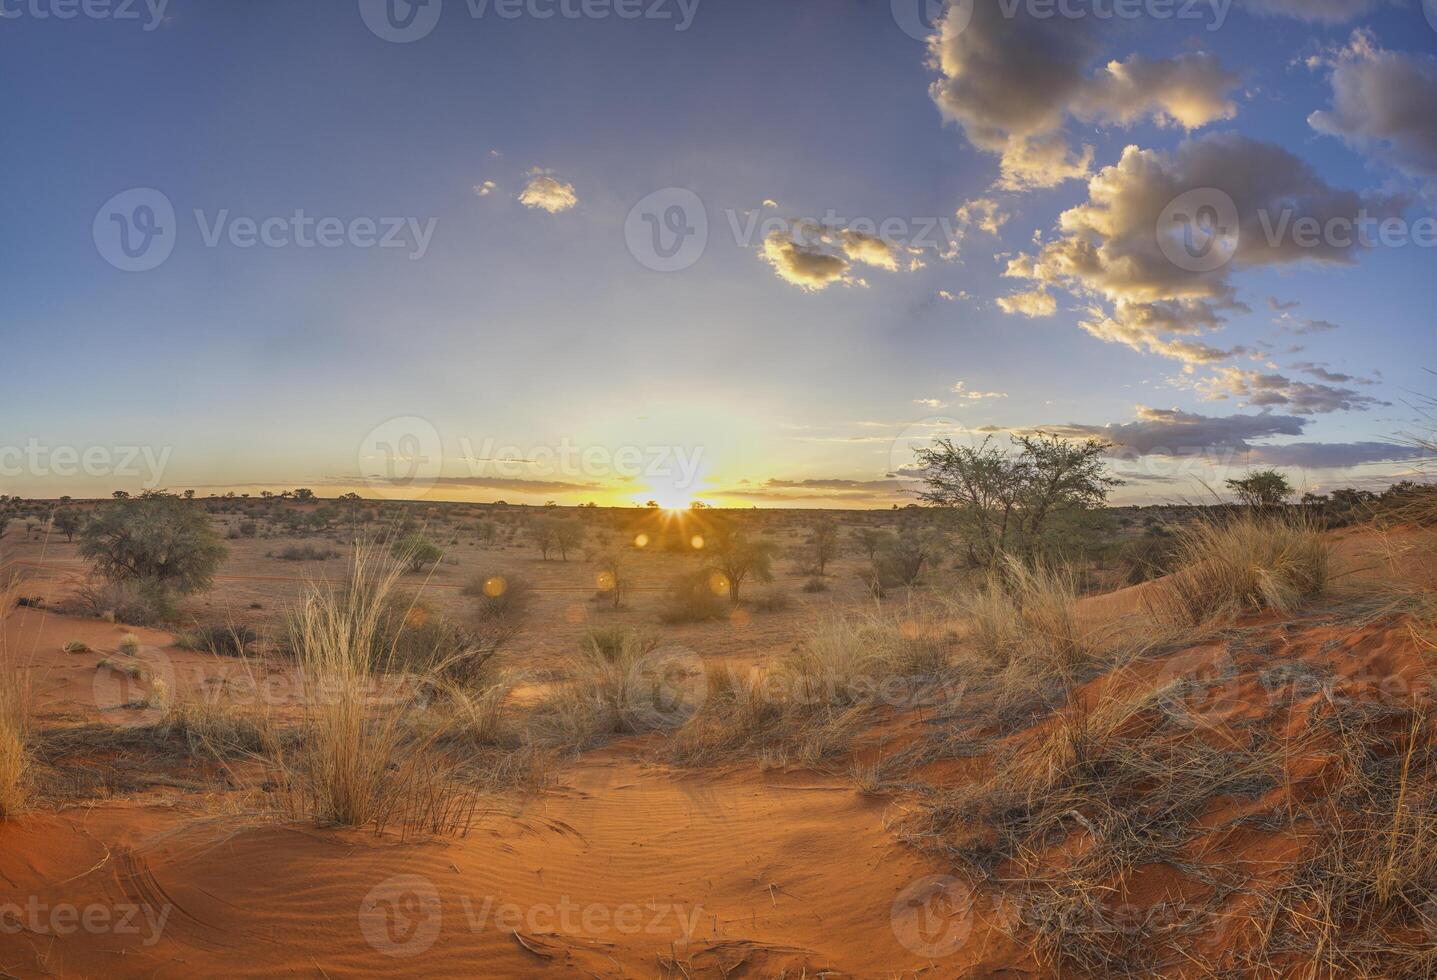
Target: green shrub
column 693, row 599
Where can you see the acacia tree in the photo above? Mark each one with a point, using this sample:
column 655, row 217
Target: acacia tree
column 543, row 533
column 870, row 540
column 1264, row 489
column 156, row 538
column 568, row 536
column 1005, row 498
column 823, row 542
column 67, row 522
column 739, row 557
column 613, row 576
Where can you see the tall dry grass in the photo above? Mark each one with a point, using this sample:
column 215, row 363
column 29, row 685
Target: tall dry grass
column 15, row 714
column 1245, row 564
column 360, row 757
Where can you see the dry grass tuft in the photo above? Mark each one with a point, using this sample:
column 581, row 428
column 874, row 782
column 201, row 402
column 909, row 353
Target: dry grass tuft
column 1363, row 900
column 619, row 683
column 809, row 707
column 1250, row 563
column 360, row 760
column 15, row 716
column 1070, row 812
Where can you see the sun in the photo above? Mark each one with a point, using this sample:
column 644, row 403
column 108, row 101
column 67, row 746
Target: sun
column 670, row 499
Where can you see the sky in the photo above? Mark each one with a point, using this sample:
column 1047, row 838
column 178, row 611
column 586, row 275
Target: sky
column 750, row 252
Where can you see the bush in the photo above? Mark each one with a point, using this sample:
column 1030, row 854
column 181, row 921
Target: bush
column 609, row 642
column 220, row 640
column 307, row 552
column 157, row 539
column 130, row 645
column 130, row 603
column 815, row 585
column 500, row 598
column 693, row 599
column 76, row 646
column 416, row 551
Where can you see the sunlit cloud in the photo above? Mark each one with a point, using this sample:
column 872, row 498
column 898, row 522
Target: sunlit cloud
column 547, row 193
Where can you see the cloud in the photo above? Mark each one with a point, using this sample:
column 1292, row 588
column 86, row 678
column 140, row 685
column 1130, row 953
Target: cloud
column 984, row 212
column 850, row 491
column 932, row 403
column 813, row 256
column 1321, row 373
column 1303, row 325
column 1188, row 92
column 769, row 202
column 1336, row 455
column 485, row 189
column 547, row 193
column 1033, row 303
column 1279, row 306
column 1109, row 250
column 1384, row 104
column 961, row 390
column 1175, row 433
column 1170, row 432
column 1269, row 390
column 807, row 266
column 1011, row 82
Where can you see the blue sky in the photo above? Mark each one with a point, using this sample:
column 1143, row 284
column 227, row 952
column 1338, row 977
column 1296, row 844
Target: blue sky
column 531, row 327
